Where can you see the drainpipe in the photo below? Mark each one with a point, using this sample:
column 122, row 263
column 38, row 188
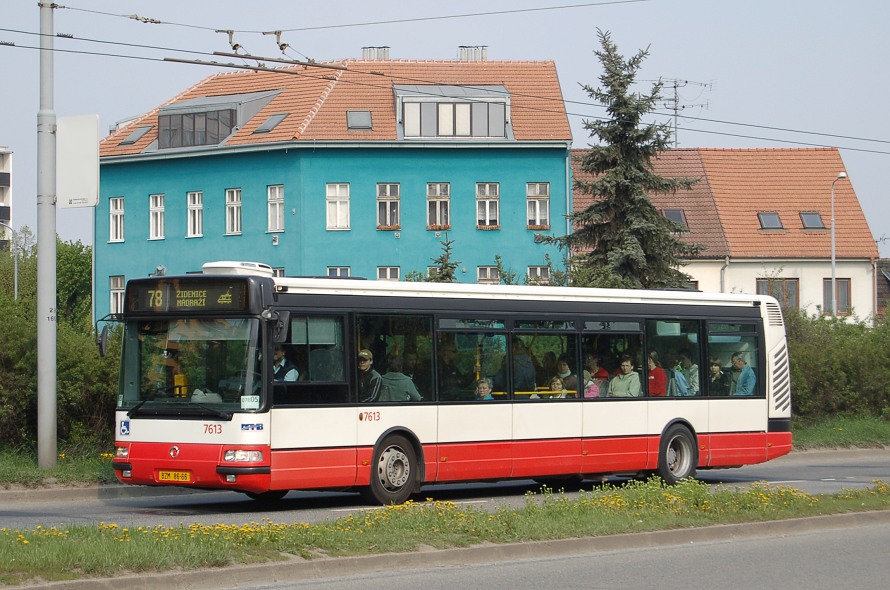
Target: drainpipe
column 723, row 275
column 874, row 289
column 569, row 203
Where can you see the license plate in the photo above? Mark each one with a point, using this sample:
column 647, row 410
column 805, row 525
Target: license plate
column 178, row 476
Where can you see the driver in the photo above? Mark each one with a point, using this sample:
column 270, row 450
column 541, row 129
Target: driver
column 283, row 369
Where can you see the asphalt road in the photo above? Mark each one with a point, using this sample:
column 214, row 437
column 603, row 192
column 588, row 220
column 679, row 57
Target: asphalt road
column 813, row 472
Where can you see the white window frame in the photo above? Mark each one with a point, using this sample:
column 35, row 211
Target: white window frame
column 339, row 271
column 388, row 205
column 116, row 288
column 537, row 195
column 233, row 212
column 278, row 271
column 487, row 275
column 156, row 217
column 487, row 205
column 275, row 200
column 116, row 219
column 195, row 206
column 388, row 273
column 538, row 274
column 337, row 205
column 438, row 205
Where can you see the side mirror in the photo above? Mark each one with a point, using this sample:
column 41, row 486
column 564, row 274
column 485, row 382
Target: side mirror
column 102, row 340
column 279, row 328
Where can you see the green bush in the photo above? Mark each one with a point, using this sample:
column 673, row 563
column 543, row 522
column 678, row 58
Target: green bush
column 838, row 367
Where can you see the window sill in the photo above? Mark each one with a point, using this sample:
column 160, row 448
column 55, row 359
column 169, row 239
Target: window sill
column 389, row 227
column 538, row 227
column 438, row 227
column 488, row 227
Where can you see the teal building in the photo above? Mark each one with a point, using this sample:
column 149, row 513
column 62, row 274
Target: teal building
column 356, row 168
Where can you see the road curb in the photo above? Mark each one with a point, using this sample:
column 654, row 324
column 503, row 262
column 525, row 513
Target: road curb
column 303, row 569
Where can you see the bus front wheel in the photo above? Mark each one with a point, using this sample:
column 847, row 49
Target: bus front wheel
column 393, row 472
column 677, row 455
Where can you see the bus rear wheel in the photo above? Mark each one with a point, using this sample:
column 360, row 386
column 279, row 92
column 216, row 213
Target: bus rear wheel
column 677, row 455
column 393, row 472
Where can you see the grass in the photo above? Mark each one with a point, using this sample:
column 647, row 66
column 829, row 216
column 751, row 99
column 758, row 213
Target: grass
column 843, row 431
column 20, row 468
column 52, row 554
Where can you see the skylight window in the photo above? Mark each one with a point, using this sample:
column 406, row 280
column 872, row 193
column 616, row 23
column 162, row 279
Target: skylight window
column 677, row 216
column 136, row 135
column 811, row 220
column 359, row 120
column 270, row 123
column 769, row 220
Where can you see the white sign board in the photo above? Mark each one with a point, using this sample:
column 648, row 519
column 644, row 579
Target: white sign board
column 77, row 161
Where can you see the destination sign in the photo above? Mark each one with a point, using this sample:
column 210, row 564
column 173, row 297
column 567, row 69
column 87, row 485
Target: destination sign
column 188, row 295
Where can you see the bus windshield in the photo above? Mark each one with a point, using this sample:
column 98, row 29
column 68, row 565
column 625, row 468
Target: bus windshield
column 177, row 364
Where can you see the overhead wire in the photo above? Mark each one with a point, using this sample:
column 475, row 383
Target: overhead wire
column 424, row 81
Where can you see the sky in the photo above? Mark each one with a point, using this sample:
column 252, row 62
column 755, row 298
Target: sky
column 753, row 74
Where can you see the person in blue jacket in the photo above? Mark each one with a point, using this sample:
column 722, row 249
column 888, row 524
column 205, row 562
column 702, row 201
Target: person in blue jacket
column 744, row 380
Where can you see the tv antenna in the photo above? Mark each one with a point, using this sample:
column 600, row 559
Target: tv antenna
column 673, row 103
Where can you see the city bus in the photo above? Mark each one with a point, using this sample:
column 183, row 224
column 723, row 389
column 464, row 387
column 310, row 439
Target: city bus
column 382, row 394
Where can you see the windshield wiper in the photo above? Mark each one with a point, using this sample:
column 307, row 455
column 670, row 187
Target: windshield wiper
column 218, row 413
column 135, row 409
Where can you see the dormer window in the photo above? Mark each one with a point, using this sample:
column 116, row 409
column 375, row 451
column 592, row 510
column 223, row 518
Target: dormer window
column 769, row 220
column 208, row 120
column 442, row 111
column 191, row 129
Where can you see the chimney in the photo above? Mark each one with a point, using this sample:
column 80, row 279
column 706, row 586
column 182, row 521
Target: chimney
column 375, row 53
column 473, row 52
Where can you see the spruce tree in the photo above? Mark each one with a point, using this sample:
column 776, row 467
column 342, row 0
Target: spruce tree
column 622, row 240
column 445, row 267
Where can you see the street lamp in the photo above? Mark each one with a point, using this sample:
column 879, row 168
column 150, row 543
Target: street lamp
column 15, row 263
column 840, row 176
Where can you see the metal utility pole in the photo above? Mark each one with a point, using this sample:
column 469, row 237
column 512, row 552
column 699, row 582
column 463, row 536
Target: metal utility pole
column 47, row 443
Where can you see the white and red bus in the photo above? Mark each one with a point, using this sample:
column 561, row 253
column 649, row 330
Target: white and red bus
column 199, row 405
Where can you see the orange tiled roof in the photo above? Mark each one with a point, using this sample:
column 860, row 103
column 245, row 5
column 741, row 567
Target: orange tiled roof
column 317, row 99
column 736, row 184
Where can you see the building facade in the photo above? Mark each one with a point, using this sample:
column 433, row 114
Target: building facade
column 764, row 217
column 354, row 168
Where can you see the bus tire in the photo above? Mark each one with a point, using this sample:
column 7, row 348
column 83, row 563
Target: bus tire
column 677, row 455
column 393, row 472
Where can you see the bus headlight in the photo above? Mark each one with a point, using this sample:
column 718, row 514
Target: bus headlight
column 121, row 452
column 241, row 456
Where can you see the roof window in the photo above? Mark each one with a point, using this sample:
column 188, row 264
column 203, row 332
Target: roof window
column 769, row 220
column 811, row 220
column 271, row 123
column 136, row 135
column 358, row 120
column 677, row 216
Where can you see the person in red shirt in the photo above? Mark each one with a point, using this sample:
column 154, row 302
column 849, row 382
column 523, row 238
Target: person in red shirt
column 657, row 377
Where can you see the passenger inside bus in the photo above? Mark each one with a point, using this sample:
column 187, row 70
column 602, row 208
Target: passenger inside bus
column 396, row 385
column 626, row 383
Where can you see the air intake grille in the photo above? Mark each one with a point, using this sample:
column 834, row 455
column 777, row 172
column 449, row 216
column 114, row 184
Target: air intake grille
column 774, row 314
